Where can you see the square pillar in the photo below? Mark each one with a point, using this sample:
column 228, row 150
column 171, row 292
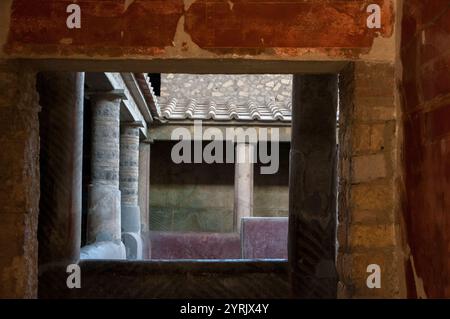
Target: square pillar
column 312, row 187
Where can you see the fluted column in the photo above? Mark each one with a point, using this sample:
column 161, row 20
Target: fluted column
column 129, row 184
column 243, row 183
column 104, row 212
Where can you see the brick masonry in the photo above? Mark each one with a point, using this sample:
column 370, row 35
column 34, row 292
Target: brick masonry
column 368, row 230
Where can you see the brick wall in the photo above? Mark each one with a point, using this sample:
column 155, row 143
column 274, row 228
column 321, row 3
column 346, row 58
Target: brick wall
column 19, row 189
column 368, row 229
column 425, row 89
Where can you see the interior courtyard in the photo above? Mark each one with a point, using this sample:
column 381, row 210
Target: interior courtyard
column 121, row 149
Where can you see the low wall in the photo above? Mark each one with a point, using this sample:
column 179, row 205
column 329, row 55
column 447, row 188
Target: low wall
column 173, row 280
column 176, row 245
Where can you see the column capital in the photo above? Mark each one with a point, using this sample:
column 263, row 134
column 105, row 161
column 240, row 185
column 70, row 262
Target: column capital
column 112, row 94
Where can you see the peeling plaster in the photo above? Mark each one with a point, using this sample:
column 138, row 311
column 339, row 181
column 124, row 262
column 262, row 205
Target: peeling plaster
column 183, row 46
column 188, row 3
column 231, row 4
column 127, row 4
column 383, row 49
column 420, row 289
column 182, row 42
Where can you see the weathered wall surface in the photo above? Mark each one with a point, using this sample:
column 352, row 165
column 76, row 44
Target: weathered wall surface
column 19, row 190
column 295, row 29
column 259, row 88
column 425, row 90
column 368, row 228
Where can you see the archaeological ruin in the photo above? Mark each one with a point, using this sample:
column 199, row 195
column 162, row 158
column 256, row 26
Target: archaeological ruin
column 225, row 149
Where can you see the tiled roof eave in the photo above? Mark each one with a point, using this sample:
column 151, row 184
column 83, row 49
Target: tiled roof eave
column 173, row 109
column 272, row 123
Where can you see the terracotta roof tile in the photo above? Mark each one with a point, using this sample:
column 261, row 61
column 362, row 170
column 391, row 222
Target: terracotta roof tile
column 149, row 95
column 173, row 109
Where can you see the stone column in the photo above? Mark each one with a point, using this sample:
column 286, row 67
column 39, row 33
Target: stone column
column 243, row 183
column 61, row 123
column 104, row 213
column 144, row 195
column 129, row 184
column 144, row 183
column 312, row 187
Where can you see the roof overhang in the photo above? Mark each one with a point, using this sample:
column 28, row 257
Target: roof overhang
column 272, row 132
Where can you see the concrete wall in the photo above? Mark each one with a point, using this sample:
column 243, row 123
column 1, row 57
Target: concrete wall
column 424, row 74
column 222, row 87
column 199, row 197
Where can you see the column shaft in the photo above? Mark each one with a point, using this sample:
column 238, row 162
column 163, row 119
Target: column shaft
column 144, row 184
column 61, row 121
column 243, row 183
column 129, row 178
column 104, row 222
